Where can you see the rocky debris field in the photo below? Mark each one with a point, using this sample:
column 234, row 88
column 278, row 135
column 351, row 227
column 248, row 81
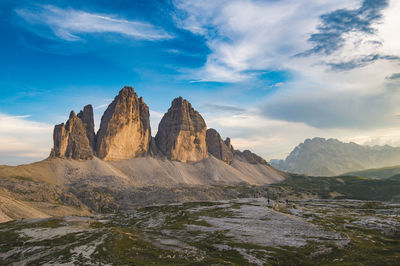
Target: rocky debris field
column 238, row 232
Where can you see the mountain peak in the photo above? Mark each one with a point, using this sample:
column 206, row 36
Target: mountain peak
column 329, row 157
column 181, row 133
column 125, row 128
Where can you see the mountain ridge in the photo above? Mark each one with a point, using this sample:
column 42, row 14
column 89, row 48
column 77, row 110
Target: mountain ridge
column 331, row 157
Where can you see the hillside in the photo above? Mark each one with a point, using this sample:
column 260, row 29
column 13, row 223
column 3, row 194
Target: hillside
column 377, row 173
column 142, row 172
column 330, row 157
column 343, row 187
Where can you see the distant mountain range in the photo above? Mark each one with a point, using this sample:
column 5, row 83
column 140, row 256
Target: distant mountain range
column 331, row 157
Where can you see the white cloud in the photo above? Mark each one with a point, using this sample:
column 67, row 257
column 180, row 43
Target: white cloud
column 253, row 35
column 69, row 24
column 245, row 36
column 23, row 140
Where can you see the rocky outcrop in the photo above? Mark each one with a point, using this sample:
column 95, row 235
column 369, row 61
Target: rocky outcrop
column 181, row 133
column 250, row 157
column 125, row 128
column 88, row 122
column 125, row 134
column 217, row 147
column 71, row 141
column 228, row 144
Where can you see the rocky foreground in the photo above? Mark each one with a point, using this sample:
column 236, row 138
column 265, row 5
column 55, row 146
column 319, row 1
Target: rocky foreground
column 238, row 232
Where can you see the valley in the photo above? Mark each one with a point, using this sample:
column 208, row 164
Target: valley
column 248, row 231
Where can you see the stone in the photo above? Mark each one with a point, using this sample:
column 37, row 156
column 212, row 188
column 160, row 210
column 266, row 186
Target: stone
column 88, row 122
column 217, row 147
column 125, row 128
column 71, row 141
column 181, row 133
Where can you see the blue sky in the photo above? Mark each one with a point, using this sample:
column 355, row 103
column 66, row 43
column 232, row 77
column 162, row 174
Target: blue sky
column 266, row 73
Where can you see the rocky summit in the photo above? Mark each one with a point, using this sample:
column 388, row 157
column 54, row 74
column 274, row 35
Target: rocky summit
column 181, row 133
column 88, row 122
column 71, row 140
column 217, row 147
column 125, row 128
column 125, row 134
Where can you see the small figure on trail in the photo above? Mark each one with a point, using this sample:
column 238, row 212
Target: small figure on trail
column 268, row 201
column 287, row 201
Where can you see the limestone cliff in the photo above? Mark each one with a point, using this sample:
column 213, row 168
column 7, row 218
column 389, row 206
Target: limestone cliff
column 125, row 128
column 217, row 147
column 71, row 141
column 88, row 122
column 181, row 133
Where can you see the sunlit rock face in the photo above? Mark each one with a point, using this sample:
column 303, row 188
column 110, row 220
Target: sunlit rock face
column 181, row 133
column 71, row 140
column 217, row 147
column 125, row 128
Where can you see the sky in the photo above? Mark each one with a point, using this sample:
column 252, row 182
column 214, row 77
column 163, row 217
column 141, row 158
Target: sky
column 267, row 73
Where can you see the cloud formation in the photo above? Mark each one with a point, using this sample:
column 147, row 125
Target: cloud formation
column 23, row 140
column 70, row 24
column 361, row 62
column 246, row 37
column 347, row 48
column 330, row 35
column 223, row 108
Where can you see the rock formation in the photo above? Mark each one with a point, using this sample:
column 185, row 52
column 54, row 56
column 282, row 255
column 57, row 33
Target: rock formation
column 71, row 141
column 217, row 147
column 88, row 122
column 250, row 157
column 229, row 145
column 181, row 133
column 125, row 134
column 125, row 128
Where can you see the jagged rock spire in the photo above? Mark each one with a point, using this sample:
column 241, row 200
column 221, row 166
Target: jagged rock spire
column 125, row 128
column 71, row 141
column 181, row 134
column 88, row 122
column 217, row 147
